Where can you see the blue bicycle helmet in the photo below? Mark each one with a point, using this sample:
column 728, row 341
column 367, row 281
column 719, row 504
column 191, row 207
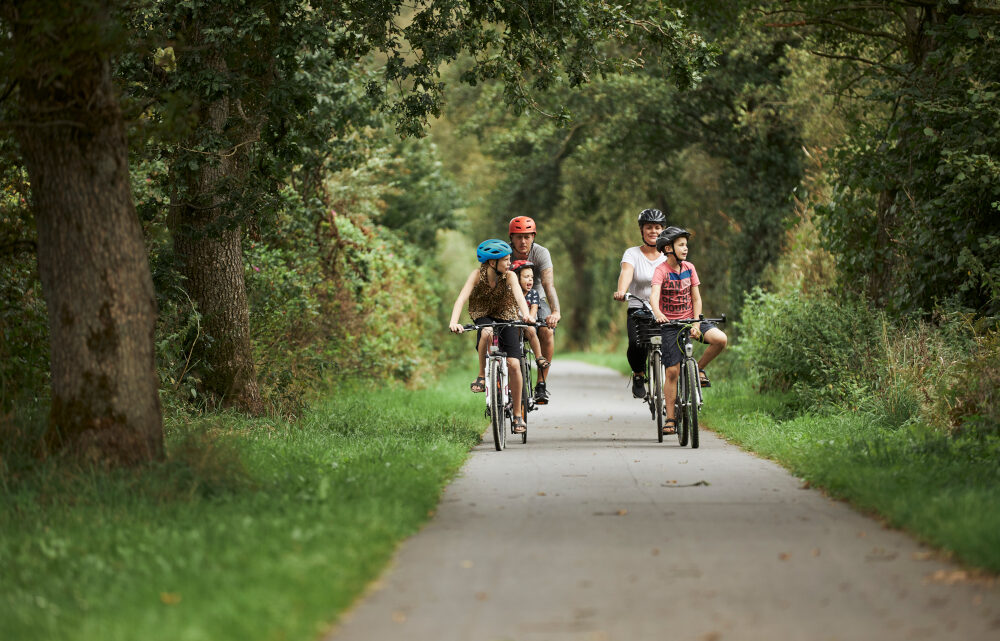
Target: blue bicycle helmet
column 492, row 248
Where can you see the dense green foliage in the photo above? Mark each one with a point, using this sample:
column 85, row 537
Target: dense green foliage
column 914, row 217
column 251, row 529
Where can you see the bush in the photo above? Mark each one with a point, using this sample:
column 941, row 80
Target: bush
column 975, row 395
column 824, row 350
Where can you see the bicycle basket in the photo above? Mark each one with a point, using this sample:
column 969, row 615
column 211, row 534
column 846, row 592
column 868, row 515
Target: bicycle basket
column 644, row 329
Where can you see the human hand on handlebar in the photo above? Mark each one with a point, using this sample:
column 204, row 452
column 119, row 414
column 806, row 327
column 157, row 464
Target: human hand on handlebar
column 696, row 331
column 660, row 316
column 553, row 319
column 456, row 328
column 619, row 295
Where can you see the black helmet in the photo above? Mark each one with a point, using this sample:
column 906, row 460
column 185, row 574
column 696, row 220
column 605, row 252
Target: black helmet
column 669, row 235
column 647, row 216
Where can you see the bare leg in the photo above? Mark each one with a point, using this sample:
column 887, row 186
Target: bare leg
column 533, row 341
column 717, row 341
column 514, row 373
column 670, row 388
column 484, row 342
column 548, row 343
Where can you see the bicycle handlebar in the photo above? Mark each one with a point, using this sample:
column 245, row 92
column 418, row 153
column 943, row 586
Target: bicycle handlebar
column 680, row 321
column 503, row 324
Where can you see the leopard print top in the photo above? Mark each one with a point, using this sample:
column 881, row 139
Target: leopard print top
column 496, row 302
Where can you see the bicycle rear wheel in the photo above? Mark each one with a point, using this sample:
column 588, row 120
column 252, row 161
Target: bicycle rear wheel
column 656, row 393
column 693, row 385
column 497, row 410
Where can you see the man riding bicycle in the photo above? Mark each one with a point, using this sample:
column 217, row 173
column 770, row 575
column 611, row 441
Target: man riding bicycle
column 522, row 239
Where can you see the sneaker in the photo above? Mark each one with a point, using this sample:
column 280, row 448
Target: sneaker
column 638, row 386
column 541, row 394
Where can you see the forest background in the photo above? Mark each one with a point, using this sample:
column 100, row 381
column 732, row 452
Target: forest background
column 231, row 233
column 301, row 228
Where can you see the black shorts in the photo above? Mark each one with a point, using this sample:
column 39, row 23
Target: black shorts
column 671, row 351
column 510, row 337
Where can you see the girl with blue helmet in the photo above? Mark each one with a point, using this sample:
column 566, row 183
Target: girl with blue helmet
column 493, row 294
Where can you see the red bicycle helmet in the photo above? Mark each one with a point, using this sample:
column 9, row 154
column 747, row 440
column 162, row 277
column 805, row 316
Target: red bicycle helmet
column 522, row 225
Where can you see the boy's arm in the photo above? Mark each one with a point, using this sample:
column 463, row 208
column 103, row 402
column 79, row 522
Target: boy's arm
column 463, row 296
column 534, row 309
column 654, row 299
column 696, row 305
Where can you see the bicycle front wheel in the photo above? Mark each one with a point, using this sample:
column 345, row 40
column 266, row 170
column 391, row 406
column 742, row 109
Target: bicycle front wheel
column 693, row 385
column 656, row 393
column 526, row 392
column 680, row 410
column 497, row 410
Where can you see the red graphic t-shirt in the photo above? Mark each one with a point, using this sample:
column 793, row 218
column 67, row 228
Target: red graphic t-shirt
column 675, row 289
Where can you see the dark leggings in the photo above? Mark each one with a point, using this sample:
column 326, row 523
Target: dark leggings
column 636, row 352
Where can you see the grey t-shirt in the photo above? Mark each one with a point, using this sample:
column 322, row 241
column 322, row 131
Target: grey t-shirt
column 542, row 260
column 642, row 275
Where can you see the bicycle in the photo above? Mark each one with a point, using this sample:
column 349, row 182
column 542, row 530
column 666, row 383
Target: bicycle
column 650, row 337
column 689, row 398
column 498, row 402
column 529, row 369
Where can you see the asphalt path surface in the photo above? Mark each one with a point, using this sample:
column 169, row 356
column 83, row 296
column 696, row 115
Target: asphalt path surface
column 594, row 531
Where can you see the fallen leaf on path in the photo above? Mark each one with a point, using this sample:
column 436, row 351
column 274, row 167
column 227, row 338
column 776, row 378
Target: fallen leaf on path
column 880, row 554
column 784, row 556
column 541, row 494
column 923, row 556
column 467, row 564
column 815, row 552
column 398, row 617
column 622, row 512
column 656, row 551
column 695, row 484
column 862, row 534
column 170, row 598
column 481, row 596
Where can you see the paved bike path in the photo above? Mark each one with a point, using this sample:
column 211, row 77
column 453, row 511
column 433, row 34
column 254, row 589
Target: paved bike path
column 593, row 531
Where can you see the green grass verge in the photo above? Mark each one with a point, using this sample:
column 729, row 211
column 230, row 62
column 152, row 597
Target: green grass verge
column 945, row 490
column 251, row 530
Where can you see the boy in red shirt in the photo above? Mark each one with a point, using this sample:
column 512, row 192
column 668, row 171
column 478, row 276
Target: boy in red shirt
column 675, row 296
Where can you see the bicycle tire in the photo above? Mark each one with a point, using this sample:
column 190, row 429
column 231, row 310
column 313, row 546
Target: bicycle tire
column 692, row 411
column 680, row 413
column 497, row 410
column 526, row 392
column 656, row 393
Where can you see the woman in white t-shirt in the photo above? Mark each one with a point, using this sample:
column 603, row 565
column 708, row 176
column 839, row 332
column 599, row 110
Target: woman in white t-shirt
column 636, row 278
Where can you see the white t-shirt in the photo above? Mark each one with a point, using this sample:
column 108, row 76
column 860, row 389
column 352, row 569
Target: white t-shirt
column 642, row 275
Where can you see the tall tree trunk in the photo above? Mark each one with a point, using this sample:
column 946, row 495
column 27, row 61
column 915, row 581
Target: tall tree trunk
column 92, row 263
column 207, row 244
